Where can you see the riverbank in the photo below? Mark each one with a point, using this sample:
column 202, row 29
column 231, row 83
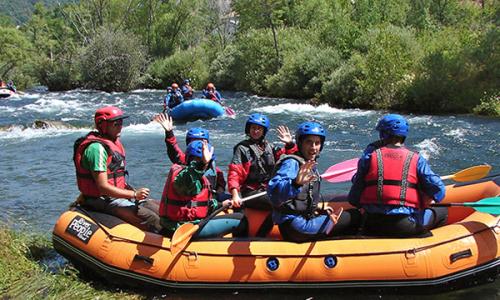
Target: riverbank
column 23, row 275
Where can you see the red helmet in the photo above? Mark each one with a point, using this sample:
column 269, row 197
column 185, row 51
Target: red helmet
column 108, row 113
column 210, row 86
column 175, row 85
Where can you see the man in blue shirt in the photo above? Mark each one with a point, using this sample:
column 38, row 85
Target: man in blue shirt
column 395, row 185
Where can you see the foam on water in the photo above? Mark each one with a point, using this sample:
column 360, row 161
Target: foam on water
column 139, row 128
column 58, row 106
column 428, row 148
column 22, row 133
column 309, row 111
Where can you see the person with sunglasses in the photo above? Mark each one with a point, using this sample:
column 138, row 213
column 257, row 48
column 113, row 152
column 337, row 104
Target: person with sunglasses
column 101, row 174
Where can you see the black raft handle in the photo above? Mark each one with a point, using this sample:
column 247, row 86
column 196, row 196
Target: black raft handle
column 148, row 260
column 459, row 255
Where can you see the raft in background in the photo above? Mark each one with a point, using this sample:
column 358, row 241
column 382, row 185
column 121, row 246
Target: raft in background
column 464, row 252
column 195, row 109
column 6, row 93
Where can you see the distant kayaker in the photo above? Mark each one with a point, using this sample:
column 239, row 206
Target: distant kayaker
column 294, row 191
column 174, row 97
column 101, row 174
column 177, row 156
column 211, row 93
column 187, row 90
column 188, row 197
column 11, row 86
column 395, row 185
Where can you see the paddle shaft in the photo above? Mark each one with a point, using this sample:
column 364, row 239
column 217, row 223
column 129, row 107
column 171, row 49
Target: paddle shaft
column 202, row 224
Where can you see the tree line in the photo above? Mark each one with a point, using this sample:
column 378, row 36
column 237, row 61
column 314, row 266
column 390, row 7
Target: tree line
column 432, row 56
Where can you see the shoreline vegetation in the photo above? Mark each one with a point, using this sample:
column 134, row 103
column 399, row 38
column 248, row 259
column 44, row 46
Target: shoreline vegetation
column 421, row 56
column 24, row 276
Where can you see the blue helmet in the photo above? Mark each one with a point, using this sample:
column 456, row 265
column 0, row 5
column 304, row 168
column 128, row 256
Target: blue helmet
column 392, row 125
column 197, row 133
column 186, row 81
column 258, row 119
column 310, row 128
column 195, row 149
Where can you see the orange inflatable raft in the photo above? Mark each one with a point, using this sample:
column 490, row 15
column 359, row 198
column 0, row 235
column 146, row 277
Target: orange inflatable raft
column 459, row 252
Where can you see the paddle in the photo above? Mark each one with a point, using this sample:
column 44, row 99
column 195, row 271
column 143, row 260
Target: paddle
column 487, row 205
column 229, row 112
column 469, row 174
column 344, row 171
column 183, row 235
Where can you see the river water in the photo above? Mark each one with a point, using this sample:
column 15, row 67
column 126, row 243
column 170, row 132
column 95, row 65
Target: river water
column 37, row 177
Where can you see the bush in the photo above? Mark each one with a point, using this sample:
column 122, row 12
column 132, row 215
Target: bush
column 223, row 68
column 380, row 72
column 113, row 61
column 59, row 75
column 489, row 106
column 251, row 60
column 305, row 67
column 445, row 80
column 343, row 88
column 177, row 67
column 15, row 55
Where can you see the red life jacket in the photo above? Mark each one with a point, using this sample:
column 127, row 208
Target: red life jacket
column 392, row 178
column 184, row 208
column 115, row 164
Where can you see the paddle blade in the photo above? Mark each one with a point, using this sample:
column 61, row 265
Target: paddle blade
column 182, row 236
column 341, row 172
column 469, row 174
column 488, row 205
column 230, row 112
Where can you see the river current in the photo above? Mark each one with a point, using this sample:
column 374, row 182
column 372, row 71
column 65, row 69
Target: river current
column 37, row 176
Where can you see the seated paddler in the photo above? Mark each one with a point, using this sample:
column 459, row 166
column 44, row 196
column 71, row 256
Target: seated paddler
column 188, row 197
column 294, row 191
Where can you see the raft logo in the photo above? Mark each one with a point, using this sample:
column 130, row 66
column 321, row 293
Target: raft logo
column 82, row 229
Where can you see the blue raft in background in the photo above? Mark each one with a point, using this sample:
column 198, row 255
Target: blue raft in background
column 196, row 108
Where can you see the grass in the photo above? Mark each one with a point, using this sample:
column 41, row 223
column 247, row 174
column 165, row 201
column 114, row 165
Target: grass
column 24, row 276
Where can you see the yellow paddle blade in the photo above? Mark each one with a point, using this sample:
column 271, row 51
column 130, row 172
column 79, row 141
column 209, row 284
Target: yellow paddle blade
column 182, row 236
column 469, row 174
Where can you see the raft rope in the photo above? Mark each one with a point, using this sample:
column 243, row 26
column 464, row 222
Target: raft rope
column 411, row 251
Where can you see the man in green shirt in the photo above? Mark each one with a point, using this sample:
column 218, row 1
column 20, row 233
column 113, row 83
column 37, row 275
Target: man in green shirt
column 101, row 174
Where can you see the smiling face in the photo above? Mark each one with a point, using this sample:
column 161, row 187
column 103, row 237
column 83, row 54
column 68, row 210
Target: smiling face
column 310, row 146
column 256, row 131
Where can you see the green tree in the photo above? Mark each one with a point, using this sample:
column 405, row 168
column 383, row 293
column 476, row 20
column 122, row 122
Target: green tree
column 113, row 61
column 15, row 51
column 269, row 14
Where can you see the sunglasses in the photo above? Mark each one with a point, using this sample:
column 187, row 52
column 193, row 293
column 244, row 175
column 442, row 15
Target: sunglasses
column 117, row 123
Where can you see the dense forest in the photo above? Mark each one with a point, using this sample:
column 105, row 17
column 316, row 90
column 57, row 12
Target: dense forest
column 433, row 56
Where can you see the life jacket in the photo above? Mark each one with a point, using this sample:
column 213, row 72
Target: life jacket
column 392, row 178
column 306, row 201
column 175, row 99
column 263, row 163
column 184, row 208
column 115, row 164
column 211, row 175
